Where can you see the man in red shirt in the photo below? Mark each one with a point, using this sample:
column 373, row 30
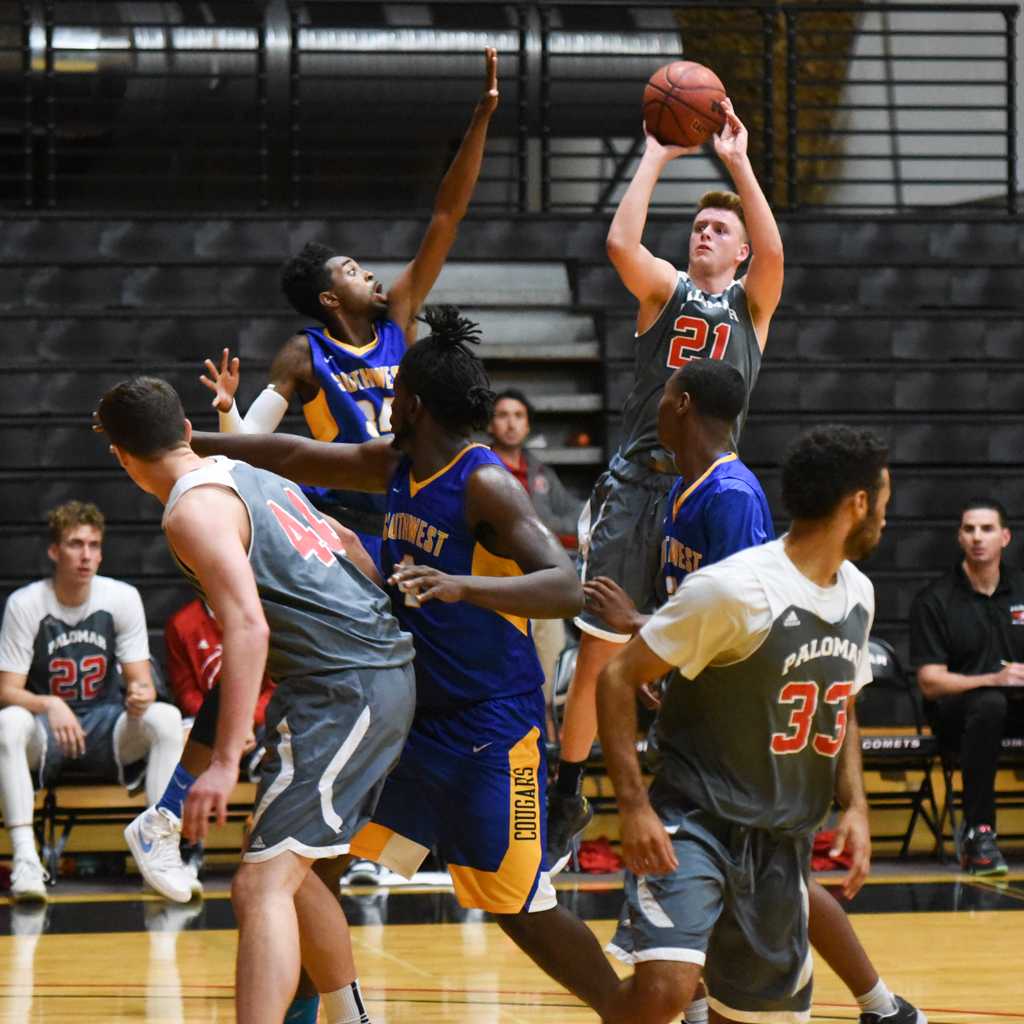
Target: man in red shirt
column 194, row 653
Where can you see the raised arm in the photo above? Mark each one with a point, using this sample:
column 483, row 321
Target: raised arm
column 291, row 374
column 209, row 531
column 763, row 280
column 505, row 523
column 353, row 467
column 410, row 290
column 649, row 278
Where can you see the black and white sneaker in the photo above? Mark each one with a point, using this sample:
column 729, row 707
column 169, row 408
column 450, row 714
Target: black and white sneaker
column 979, row 854
column 904, row 1014
column 568, row 816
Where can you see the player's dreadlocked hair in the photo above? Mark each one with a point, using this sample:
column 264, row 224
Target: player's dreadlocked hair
column 305, row 276
column 448, row 378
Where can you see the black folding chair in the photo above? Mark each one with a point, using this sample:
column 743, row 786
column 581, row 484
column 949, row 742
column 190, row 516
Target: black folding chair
column 894, row 744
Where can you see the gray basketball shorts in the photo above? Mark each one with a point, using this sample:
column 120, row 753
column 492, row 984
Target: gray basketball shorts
column 100, row 760
column 330, row 745
column 737, row 906
column 620, row 535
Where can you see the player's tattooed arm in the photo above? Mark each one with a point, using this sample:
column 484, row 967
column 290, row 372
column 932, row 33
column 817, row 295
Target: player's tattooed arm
column 646, row 846
column 410, row 290
column 763, row 281
column 352, row 467
column 504, row 521
column 853, row 832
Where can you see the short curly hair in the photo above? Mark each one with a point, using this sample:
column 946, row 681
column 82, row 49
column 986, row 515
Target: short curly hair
column 828, row 463
column 72, row 514
column 305, row 276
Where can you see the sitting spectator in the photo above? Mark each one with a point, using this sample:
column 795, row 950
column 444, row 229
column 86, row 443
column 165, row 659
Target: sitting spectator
column 67, row 645
column 967, row 644
column 194, row 652
column 556, row 508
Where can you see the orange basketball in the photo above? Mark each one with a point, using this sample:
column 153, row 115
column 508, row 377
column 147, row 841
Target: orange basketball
column 683, row 104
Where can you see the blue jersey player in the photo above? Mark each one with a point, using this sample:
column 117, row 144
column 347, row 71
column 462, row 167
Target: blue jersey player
column 716, row 506
column 470, row 563
column 342, row 368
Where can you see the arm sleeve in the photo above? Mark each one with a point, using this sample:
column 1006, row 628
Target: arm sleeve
column 187, row 689
column 929, row 633
column 130, row 624
column 712, row 618
column 16, row 639
column 736, row 522
column 263, row 417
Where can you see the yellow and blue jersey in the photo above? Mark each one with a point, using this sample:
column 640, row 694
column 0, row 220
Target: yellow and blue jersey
column 464, row 654
column 721, row 512
column 353, row 404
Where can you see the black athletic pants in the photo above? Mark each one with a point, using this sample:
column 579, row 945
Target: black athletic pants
column 972, row 724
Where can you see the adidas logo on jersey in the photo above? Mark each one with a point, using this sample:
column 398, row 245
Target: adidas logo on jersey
column 791, row 619
column 257, row 844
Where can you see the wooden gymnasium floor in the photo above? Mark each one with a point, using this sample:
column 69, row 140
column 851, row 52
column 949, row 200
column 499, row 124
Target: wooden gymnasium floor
column 98, row 953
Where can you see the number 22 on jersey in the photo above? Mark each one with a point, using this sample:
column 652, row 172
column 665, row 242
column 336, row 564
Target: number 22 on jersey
column 692, row 339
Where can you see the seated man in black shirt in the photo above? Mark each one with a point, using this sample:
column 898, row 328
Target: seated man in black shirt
column 967, row 644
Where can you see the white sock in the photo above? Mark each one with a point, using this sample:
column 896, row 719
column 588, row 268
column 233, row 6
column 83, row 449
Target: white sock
column 345, row 1006
column 23, row 842
column 879, row 1000
column 697, row 1012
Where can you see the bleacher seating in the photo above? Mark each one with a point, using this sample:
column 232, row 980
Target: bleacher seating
column 910, row 324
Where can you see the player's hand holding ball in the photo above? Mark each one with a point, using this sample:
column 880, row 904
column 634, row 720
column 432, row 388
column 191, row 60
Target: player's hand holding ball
column 223, row 382
column 731, row 141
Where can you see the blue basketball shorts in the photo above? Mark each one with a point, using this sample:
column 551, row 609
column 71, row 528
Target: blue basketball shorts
column 470, row 783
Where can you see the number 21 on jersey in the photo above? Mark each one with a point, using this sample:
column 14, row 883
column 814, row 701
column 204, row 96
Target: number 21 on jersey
column 692, row 339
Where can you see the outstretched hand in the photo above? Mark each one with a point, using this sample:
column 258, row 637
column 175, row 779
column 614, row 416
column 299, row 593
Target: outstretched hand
column 731, row 141
column 223, row 382
column 489, row 100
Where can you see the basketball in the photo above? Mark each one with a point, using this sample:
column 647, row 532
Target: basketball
column 683, row 104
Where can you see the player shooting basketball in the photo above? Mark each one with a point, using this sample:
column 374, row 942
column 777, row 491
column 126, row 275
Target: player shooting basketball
column 705, row 312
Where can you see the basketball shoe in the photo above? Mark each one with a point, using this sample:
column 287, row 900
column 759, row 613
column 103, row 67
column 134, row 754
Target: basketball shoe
column 568, row 816
column 363, row 872
column 28, row 881
column 979, row 853
column 154, row 839
column 903, row 1014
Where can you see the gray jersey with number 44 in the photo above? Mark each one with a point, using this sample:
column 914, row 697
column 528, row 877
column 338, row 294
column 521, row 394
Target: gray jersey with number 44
column 325, row 616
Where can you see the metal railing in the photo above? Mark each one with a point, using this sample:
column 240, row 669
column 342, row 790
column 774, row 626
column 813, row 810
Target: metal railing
column 312, row 106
